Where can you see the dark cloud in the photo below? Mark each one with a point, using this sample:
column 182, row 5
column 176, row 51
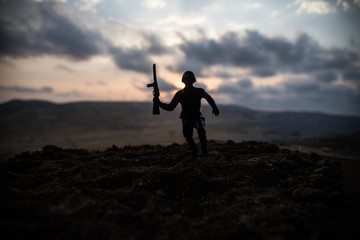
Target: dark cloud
column 155, row 44
column 330, row 98
column 30, row 28
column 229, row 50
column 263, row 72
column 245, row 83
column 267, row 56
column 301, row 88
column 270, row 91
column 243, row 87
column 352, row 74
column 44, row 89
column 131, row 59
column 293, row 94
column 223, row 74
column 67, row 38
column 227, row 88
column 326, row 76
column 190, row 65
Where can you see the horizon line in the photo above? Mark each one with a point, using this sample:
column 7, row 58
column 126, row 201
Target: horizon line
column 220, row 104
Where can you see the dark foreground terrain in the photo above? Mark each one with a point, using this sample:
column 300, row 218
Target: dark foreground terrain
column 247, row 190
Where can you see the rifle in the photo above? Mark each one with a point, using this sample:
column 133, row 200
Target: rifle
column 156, row 92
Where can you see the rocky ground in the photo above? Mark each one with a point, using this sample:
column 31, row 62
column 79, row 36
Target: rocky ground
column 247, row 190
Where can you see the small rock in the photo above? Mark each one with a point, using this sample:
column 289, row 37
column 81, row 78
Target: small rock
column 160, row 193
column 286, row 164
column 322, row 163
column 336, row 196
column 318, row 181
column 323, row 170
column 309, row 194
column 314, row 157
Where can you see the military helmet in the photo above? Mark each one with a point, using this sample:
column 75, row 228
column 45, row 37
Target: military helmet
column 188, row 77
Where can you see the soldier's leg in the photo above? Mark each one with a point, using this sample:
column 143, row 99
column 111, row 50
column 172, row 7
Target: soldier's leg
column 188, row 134
column 202, row 136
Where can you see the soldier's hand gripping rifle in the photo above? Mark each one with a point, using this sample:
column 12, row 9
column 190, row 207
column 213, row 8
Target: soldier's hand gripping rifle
column 156, row 92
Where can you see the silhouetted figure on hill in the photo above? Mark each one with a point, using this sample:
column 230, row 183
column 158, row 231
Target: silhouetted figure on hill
column 190, row 100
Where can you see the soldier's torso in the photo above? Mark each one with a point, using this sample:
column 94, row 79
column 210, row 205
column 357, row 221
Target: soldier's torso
column 190, row 100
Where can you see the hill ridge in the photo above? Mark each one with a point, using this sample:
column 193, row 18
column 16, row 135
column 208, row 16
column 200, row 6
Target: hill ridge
column 29, row 125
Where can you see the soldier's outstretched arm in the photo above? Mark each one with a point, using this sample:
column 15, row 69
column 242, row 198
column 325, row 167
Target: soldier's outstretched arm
column 212, row 103
column 167, row 106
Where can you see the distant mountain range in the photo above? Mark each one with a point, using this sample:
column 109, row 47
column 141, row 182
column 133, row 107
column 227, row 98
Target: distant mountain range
column 29, row 125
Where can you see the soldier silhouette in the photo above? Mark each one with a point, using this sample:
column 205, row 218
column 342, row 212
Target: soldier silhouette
column 190, row 99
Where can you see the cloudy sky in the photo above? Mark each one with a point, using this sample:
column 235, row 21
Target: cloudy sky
column 277, row 55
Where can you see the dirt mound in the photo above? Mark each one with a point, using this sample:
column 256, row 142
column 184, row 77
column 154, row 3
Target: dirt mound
column 248, row 190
